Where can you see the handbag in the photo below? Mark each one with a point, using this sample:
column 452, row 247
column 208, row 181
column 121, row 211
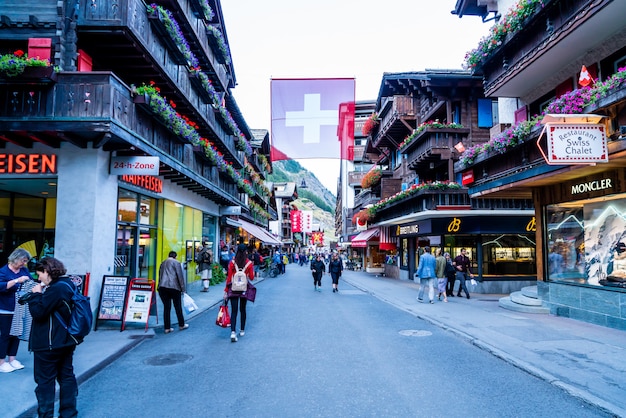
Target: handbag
column 188, row 304
column 250, row 294
column 223, row 317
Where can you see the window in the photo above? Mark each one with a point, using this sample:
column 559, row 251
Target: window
column 487, row 113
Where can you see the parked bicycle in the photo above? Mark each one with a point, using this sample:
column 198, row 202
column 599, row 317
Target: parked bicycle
column 269, row 269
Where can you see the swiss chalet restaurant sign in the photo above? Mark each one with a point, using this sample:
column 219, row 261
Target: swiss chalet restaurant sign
column 574, row 139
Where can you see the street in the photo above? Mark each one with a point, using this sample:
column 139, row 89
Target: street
column 309, row 354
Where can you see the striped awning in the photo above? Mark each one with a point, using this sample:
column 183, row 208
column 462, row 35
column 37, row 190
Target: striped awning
column 365, row 236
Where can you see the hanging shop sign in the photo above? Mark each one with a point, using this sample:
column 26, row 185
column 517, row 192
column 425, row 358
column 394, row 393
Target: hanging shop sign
column 28, row 164
column 573, row 139
column 135, row 164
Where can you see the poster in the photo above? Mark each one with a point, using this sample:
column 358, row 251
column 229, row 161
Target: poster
column 139, row 301
column 112, row 298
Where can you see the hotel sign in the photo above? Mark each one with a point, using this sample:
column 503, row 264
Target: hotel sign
column 576, row 144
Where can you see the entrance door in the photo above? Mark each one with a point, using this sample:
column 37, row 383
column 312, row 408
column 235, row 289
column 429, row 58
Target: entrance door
column 126, row 252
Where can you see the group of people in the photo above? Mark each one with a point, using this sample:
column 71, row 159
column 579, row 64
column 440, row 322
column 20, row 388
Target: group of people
column 318, row 268
column 51, row 344
column 443, row 271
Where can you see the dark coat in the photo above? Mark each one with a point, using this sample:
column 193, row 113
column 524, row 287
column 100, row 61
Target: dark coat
column 335, row 267
column 47, row 333
column 319, row 267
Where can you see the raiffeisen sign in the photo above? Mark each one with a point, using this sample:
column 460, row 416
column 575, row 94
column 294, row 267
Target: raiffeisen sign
column 574, row 139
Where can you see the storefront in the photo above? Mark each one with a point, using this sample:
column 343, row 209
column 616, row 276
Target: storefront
column 365, row 253
column 501, row 247
column 584, row 242
column 256, row 236
column 65, row 202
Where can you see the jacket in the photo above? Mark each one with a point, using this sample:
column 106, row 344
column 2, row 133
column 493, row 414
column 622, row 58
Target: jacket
column 335, row 266
column 46, row 332
column 7, row 296
column 171, row 275
column 440, row 267
column 319, row 267
column 204, row 259
column 427, row 266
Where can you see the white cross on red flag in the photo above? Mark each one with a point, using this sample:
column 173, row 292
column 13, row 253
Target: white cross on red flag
column 585, row 78
column 306, row 116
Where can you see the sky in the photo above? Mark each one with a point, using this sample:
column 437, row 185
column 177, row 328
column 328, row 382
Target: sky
column 339, row 38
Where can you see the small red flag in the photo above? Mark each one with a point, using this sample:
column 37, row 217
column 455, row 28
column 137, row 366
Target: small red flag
column 585, row 78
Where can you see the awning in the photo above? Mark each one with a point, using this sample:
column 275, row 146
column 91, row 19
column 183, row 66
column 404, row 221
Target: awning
column 260, row 233
column 361, row 239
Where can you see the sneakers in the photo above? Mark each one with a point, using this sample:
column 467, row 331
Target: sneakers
column 233, row 337
column 6, row 368
column 205, row 289
column 242, row 333
column 420, row 300
column 16, row 364
column 184, row 327
column 167, row 331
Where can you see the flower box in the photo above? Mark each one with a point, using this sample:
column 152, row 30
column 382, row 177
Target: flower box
column 32, row 75
column 195, row 80
column 217, row 47
column 176, row 54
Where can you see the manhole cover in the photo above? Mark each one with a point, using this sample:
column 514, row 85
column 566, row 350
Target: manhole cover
column 415, row 333
column 167, row 359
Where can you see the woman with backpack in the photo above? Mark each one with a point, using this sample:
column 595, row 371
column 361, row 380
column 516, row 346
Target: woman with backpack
column 52, row 346
column 238, row 299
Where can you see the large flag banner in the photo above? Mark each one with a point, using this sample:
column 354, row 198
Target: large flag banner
column 305, row 117
column 296, row 220
column 307, row 220
column 317, row 238
column 345, row 130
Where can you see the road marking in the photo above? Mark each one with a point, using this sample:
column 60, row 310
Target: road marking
column 415, row 333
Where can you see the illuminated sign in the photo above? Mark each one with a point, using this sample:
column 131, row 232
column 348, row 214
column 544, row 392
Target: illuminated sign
column 467, row 177
column 154, row 184
column 28, row 164
column 592, row 186
column 408, row 229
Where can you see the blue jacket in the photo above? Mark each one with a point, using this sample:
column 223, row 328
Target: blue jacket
column 7, row 296
column 427, row 267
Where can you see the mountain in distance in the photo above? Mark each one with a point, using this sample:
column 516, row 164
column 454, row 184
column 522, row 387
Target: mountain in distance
column 315, row 197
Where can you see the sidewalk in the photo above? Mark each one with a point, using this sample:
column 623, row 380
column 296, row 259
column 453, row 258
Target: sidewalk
column 583, row 359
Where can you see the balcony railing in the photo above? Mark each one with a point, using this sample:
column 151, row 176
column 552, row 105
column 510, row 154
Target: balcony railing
column 425, row 200
column 98, row 108
column 433, row 144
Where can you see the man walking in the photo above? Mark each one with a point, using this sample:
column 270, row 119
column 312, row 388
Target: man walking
column 426, row 273
column 463, row 265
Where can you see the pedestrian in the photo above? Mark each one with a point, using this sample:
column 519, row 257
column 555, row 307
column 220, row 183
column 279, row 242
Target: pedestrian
column 440, row 271
column 462, row 264
column 224, row 257
column 238, row 300
column 12, row 275
column 450, row 275
column 285, row 262
column 318, row 268
column 255, row 257
column 52, row 346
column 335, row 268
column 426, row 273
column 204, row 259
column 172, row 285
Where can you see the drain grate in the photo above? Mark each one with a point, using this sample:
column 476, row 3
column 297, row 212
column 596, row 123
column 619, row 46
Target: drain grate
column 167, row 359
column 415, row 333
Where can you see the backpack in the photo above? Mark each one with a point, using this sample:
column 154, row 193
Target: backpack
column 204, row 257
column 239, row 282
column 81, row 316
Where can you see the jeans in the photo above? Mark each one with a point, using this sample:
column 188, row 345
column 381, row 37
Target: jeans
column 461, row 277
column 48, row 366
column 167, row 297
column 237, row 304
column 431, row 288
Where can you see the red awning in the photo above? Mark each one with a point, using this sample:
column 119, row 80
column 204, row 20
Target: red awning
column 365, row 236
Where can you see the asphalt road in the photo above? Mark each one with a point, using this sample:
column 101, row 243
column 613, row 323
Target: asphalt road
column 318, row 354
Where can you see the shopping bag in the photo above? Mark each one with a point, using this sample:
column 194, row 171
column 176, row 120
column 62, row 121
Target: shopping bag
column 473, row 282
column 223, row 317
column 188, row 304
column 250, row 293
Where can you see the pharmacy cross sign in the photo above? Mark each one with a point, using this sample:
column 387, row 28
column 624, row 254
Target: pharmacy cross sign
column 311, row 118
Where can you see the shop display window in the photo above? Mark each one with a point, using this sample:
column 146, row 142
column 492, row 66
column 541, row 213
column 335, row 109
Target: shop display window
column 509, row 254
column 586, row 241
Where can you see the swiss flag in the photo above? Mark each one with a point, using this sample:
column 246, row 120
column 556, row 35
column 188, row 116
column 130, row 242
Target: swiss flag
column 305, row 117
column 345, row 130
column 585, row 78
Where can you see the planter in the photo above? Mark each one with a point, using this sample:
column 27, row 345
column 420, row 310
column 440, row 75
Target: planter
column 201, row 151
column 205, row 96
column 176, row 54
column 228, row 130
column 216, row 47
column 32, row 75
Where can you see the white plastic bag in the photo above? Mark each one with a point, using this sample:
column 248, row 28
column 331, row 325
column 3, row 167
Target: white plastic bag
column 188, row 303
column 473, row 282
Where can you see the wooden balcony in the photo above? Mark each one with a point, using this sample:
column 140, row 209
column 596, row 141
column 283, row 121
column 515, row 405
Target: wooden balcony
column 97, row 109
column 425, row 200
column 366, row 197
column 355, row 177
column 133, row 46
column 433, row 145
column 397, row 120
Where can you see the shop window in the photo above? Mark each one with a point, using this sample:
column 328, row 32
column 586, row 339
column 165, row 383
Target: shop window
column 586, row 241
column 509, row 255
column 127, row 206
